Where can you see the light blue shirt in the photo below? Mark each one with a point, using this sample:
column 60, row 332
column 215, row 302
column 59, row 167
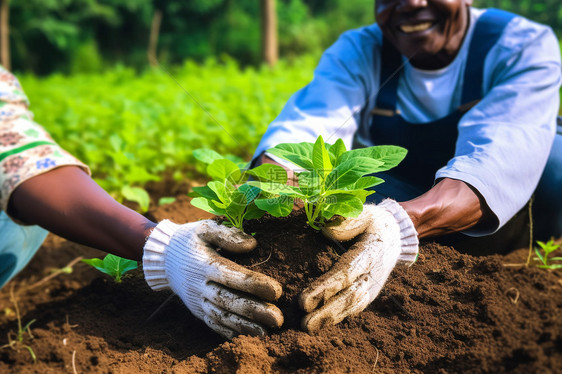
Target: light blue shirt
column 504, row 141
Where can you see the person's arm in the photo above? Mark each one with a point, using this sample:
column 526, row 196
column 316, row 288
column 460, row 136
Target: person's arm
column 67, row 202
column 450, row 206
column 42, row 184
column 504, row 141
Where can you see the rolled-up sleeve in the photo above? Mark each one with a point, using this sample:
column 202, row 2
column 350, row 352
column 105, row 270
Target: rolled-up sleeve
column 505, row 140
column 26, row 149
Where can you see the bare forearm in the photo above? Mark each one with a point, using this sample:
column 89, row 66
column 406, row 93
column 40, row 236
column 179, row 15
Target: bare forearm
column 67, row 202
column 450, row 206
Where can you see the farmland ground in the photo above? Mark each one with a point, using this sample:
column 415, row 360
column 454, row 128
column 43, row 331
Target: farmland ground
column 450, row 312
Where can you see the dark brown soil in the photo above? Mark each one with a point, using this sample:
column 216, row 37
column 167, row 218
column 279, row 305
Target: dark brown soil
column 448, row 313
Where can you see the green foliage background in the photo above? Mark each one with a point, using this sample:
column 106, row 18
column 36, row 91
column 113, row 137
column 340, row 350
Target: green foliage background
column 73, row 36
column 132, row 128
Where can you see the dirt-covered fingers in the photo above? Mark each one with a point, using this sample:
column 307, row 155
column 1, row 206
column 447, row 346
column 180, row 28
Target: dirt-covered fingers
column 266, row 314
column 237, row 277
column 230, row 321
column 227, row 238
column 348, row 302
column 219, row 329
column 342, row 275
column 344, row 229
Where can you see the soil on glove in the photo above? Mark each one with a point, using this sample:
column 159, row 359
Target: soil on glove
column 448, row 313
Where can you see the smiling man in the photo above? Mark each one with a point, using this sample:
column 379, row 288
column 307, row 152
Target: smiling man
column 472, row 94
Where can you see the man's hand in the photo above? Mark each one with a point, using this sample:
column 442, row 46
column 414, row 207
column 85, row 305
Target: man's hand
column 388, row 237
column 181, row 257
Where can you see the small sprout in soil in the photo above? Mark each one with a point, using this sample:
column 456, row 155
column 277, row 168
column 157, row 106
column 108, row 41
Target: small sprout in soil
column 547, row 248
column 331, row 180
column 16, row 340
column 227, row 194
column 112, row 265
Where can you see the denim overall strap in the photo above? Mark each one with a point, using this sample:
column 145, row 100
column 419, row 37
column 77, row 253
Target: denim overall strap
column 487, row 31
column 430, row 145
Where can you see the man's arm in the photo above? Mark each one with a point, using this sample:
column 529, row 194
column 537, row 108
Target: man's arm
column 450, row 206
column 67, row 202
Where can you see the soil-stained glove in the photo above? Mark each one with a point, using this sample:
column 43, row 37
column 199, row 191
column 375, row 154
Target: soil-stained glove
column 181, row 257
column 388, row 237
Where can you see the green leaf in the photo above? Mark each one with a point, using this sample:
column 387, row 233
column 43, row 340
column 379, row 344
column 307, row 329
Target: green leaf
column 360, row 193
column 321, row 158
column 388, row 155
column 365, row 182
column 138, row 195
column 299, row 154
column 117, row 266
column 253, row 212
column 94, row 262
column 207, row 156
column 309, row 179
column 345, row 205
column 112, row 265
column 280, row 206
column 250, row 192
column 237, row 204
column 166, row 200
column 336, row 150
column 342, row 177
column 539, row 255
column 206, row 192
column 272, row 187
column 223, row 169
column 220, row 189
column 552, row 266
column 204, row 204
column 269, row 172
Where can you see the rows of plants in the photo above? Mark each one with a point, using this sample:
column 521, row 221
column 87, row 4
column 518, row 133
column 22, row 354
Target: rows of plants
column 132, row 128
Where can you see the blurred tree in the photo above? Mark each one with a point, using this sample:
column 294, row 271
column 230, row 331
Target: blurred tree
column 269, row 32
column 5, row 59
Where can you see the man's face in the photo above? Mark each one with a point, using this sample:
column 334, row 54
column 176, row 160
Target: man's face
column 430, row 32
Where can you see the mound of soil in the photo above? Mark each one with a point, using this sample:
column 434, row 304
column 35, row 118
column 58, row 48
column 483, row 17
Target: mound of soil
column 449, row 312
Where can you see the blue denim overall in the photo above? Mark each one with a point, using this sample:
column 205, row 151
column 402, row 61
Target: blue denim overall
column 431, row 145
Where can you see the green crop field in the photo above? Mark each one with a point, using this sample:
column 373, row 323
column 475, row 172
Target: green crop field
column 132, row 128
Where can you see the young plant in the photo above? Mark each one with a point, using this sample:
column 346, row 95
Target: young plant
column 16, row 340
column 227, row 194
column 112, row 265
column 548, row 248
column 332, row 180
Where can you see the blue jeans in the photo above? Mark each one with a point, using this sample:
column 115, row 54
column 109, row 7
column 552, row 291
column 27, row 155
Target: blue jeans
column 18, row 244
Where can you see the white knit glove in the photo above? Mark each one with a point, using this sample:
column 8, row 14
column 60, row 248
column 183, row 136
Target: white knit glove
column 182, row 258
column 388, row 237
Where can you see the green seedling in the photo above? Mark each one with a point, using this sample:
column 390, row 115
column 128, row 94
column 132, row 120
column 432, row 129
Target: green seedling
column 547, row 248
column 16, row 340
column 332, row 180
column 227, row 194
column 137, row 195
column 112, row 265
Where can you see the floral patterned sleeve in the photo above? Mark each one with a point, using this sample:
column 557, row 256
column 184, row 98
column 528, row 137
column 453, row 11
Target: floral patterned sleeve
column 26, row 149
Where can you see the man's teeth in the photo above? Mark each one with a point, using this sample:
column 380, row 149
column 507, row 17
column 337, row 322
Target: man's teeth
column 415, row 28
